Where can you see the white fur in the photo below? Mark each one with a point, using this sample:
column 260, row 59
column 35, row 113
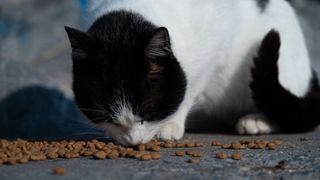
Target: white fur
column 215, row 42
column 254, row 124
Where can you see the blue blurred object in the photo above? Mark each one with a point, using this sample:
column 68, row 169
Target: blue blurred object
column 36, row 112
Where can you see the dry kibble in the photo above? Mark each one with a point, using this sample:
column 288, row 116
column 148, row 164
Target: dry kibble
column 236, row 156
column 59, row 171
column 272, row 146
column 278, row 142
column 193, row 161
column 180, row 145
column 168, row 145
column 199, row 144
column 146, row 157
column 189, row 152
column 155, row 148
column 225, row 146
column 23, row 160
column 155, row 156
column 100, row 155
column 235, row 146
column 52, row 155
column 216, row 143
column 113, row 155
column 137, row 155
column 190, row 145
column 251, row 145
column 197, row 154
column 21, row 151
column 180, row 153
column 141, row 147
column 221, row 155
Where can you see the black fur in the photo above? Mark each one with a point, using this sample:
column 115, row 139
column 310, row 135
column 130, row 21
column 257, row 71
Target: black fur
column 110, row 63
column 291, row 113
column 262, row 4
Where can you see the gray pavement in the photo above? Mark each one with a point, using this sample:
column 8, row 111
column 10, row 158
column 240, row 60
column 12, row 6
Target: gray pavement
column 301, row 161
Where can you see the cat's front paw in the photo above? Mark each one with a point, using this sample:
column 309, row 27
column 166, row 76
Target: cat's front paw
column 254, row 124
column 171, row 131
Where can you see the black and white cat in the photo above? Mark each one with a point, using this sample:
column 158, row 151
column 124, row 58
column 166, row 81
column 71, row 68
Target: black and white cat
column 144, row 66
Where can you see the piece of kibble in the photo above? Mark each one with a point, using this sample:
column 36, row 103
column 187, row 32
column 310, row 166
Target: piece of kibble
column 113, row 154
column 168, row 145
column 23, row 160
column 225, row 146
column 155, row 148
column 59, row 171
column 199, row 144
column 261, row 145
column 271, row 146
column 190, row 145
column 189, row 152
column 197, row 154
column 193, row 161
column 155, row 156
column 52, row 155
column 146, row 157
column 180, row 153
column 100, row 155
column 180, row 145
column 141, row 147
column 216, row 143
column 235, row 146
column 137, row 155
column 251, row 145
column 278, row 142
column 221, row 155
column 236, row 156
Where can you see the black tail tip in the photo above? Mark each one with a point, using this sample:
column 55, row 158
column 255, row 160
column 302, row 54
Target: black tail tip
column 271, row 39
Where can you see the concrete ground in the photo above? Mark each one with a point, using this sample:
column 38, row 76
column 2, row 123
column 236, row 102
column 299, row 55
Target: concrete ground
column 301, row 161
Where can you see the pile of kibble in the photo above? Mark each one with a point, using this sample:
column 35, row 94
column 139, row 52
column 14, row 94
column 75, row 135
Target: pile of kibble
column 21, row 151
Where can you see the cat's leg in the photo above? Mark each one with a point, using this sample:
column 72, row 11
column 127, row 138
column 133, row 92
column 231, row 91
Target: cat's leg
column 255, row 124
column 174, row 127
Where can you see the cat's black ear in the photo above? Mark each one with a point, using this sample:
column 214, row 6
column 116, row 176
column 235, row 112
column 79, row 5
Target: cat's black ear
column 80, row 43
column 159, row 44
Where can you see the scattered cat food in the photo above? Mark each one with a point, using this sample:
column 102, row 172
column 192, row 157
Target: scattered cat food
column 146, row 157
column 155, row 156
column 193, row 161
column 272, row 146
column 236, row 156
column 100, row 155
column 180, row 145
column 141, row 147
column 21, row 151
column 216, row 143
column 225, row 146
column 197, row 154
column 155, row 148
column 221, row 155
column 59, row 171
column 180, row 153
column 278, row 142
column 189, row 152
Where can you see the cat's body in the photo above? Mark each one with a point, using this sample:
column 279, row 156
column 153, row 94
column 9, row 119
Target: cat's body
column 214, row 42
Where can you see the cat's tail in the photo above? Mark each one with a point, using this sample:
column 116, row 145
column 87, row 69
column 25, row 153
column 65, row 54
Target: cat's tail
column 289, row 112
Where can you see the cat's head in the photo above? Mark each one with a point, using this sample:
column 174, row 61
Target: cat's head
column 125, row 77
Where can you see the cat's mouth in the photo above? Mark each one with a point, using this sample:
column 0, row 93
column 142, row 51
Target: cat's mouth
column 138, row 134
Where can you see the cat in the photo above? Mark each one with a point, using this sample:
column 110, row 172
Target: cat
column 143, row 67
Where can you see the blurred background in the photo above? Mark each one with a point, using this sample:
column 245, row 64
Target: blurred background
column 36, row 100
